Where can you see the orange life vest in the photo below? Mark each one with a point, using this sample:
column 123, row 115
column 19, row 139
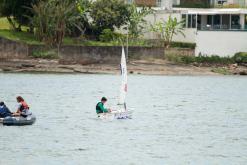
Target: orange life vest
column 24, row 106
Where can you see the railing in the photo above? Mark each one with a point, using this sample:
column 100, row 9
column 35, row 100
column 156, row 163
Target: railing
column 218, row 4
column 220, row 27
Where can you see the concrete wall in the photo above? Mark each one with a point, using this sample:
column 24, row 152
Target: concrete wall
column 190, row 35
column 102, row 54
column 180, row 51
column 222, row 43
column 78, row 54
column 11, row 49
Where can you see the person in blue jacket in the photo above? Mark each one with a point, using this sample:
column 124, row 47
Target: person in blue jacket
column 4, row 110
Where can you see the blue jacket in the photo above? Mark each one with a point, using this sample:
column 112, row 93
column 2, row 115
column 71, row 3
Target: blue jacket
column 4, row 111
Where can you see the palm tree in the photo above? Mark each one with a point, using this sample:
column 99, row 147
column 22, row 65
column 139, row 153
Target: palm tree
column 52, row 18
column 168, row 29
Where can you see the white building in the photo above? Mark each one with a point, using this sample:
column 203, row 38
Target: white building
column 216, row 31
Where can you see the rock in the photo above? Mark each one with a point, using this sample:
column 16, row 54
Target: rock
column 7, row 69
column 243, row 73
column 233, row 66
column 27, row 65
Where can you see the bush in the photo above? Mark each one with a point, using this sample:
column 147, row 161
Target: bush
column 108, row 35
column 220, row 70
column 174, row 58
column 240, row 57
column 45, row 54
column 214, row 60
column 183, row 45
column 200, row 59
column 188, row 59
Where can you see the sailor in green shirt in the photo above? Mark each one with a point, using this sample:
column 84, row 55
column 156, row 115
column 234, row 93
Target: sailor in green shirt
column 100, row 106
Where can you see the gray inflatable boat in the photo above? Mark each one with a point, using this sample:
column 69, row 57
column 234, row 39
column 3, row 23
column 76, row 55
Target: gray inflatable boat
column 19, row 121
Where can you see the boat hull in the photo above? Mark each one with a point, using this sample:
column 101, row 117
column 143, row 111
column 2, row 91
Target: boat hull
column 116, row 115
column 19, row 121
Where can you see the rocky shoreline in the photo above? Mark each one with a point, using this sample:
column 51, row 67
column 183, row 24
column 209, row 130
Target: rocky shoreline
column 146, row 67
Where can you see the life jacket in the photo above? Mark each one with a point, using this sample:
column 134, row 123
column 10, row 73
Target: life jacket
column 98, row 109
column 24, row 106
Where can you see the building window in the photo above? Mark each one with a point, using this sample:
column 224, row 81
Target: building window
column 191, row 21
column 184, row 20
column 245, row 22
column 216, row 21
column 209, row 20
column 235, row 24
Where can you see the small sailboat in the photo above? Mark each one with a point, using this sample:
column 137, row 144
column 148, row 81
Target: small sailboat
column 122, row 112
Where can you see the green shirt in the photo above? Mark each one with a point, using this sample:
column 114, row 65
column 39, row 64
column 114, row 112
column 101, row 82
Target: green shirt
column 100, row 108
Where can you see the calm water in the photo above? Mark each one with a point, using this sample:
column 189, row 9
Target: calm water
column 176, row 120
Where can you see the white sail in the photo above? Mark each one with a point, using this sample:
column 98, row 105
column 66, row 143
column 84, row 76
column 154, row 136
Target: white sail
column 123, row 88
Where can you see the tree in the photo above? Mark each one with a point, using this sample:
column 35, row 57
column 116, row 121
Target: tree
column 136, row 22
column 52, row 19
column 108, row 14
column 83, row 7
column 168, row 28
column 16, row 12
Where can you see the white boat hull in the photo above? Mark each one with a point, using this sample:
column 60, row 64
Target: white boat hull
column 116, row 115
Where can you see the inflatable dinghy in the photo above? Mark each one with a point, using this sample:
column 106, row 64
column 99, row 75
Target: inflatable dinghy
column 18, row 121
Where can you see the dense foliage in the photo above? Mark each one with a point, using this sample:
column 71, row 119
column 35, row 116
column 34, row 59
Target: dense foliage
column 108, row 14
column 16, row 12
column 136, row 22
column 51, row 20
column 241, row 57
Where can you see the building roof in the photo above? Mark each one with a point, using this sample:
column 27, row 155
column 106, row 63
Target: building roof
column 211, row 11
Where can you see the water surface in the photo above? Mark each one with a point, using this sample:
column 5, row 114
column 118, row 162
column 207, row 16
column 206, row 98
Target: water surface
column 176, row 120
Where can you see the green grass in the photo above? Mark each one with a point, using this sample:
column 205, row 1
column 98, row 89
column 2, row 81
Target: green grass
column 4, row 24
column 20, row 36
column 6, row 32
column 223, row 71
column 45, row 54
column 31, row 39
column 73, row 41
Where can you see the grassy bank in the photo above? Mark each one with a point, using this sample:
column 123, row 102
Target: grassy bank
column 24, row 36
column 29, row 38
column 19, row 36
column 4, row 24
